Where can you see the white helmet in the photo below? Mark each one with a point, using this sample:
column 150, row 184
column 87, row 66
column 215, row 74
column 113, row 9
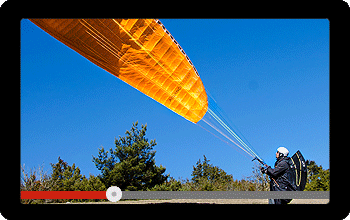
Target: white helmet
column 283, row 151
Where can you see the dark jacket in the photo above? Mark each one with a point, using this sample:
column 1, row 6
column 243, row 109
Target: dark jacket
column 279, row 175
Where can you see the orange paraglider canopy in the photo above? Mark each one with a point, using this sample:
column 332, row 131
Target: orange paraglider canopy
column 142, row 53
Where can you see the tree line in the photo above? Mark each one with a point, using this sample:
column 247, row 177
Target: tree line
column 130, row 165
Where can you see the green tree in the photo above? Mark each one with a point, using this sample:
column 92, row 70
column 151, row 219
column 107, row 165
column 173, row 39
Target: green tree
column 94, row 184
column 69, row 178
column 171, row 185
column 57, row 174
column 131, row 164
column 65, row 177
column 207, row 177
column 317, row 177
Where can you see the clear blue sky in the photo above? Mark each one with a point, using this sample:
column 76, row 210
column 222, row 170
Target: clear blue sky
column 271, row 77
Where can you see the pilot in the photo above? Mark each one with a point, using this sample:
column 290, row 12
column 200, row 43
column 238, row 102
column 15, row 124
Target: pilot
column 279, row 176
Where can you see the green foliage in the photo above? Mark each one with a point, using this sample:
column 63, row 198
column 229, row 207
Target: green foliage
column 317, row 177
column 207, row 177
column 131, row 164
column 69, row 178
column 171, row 185
column 94, row 184
column 63, row 178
